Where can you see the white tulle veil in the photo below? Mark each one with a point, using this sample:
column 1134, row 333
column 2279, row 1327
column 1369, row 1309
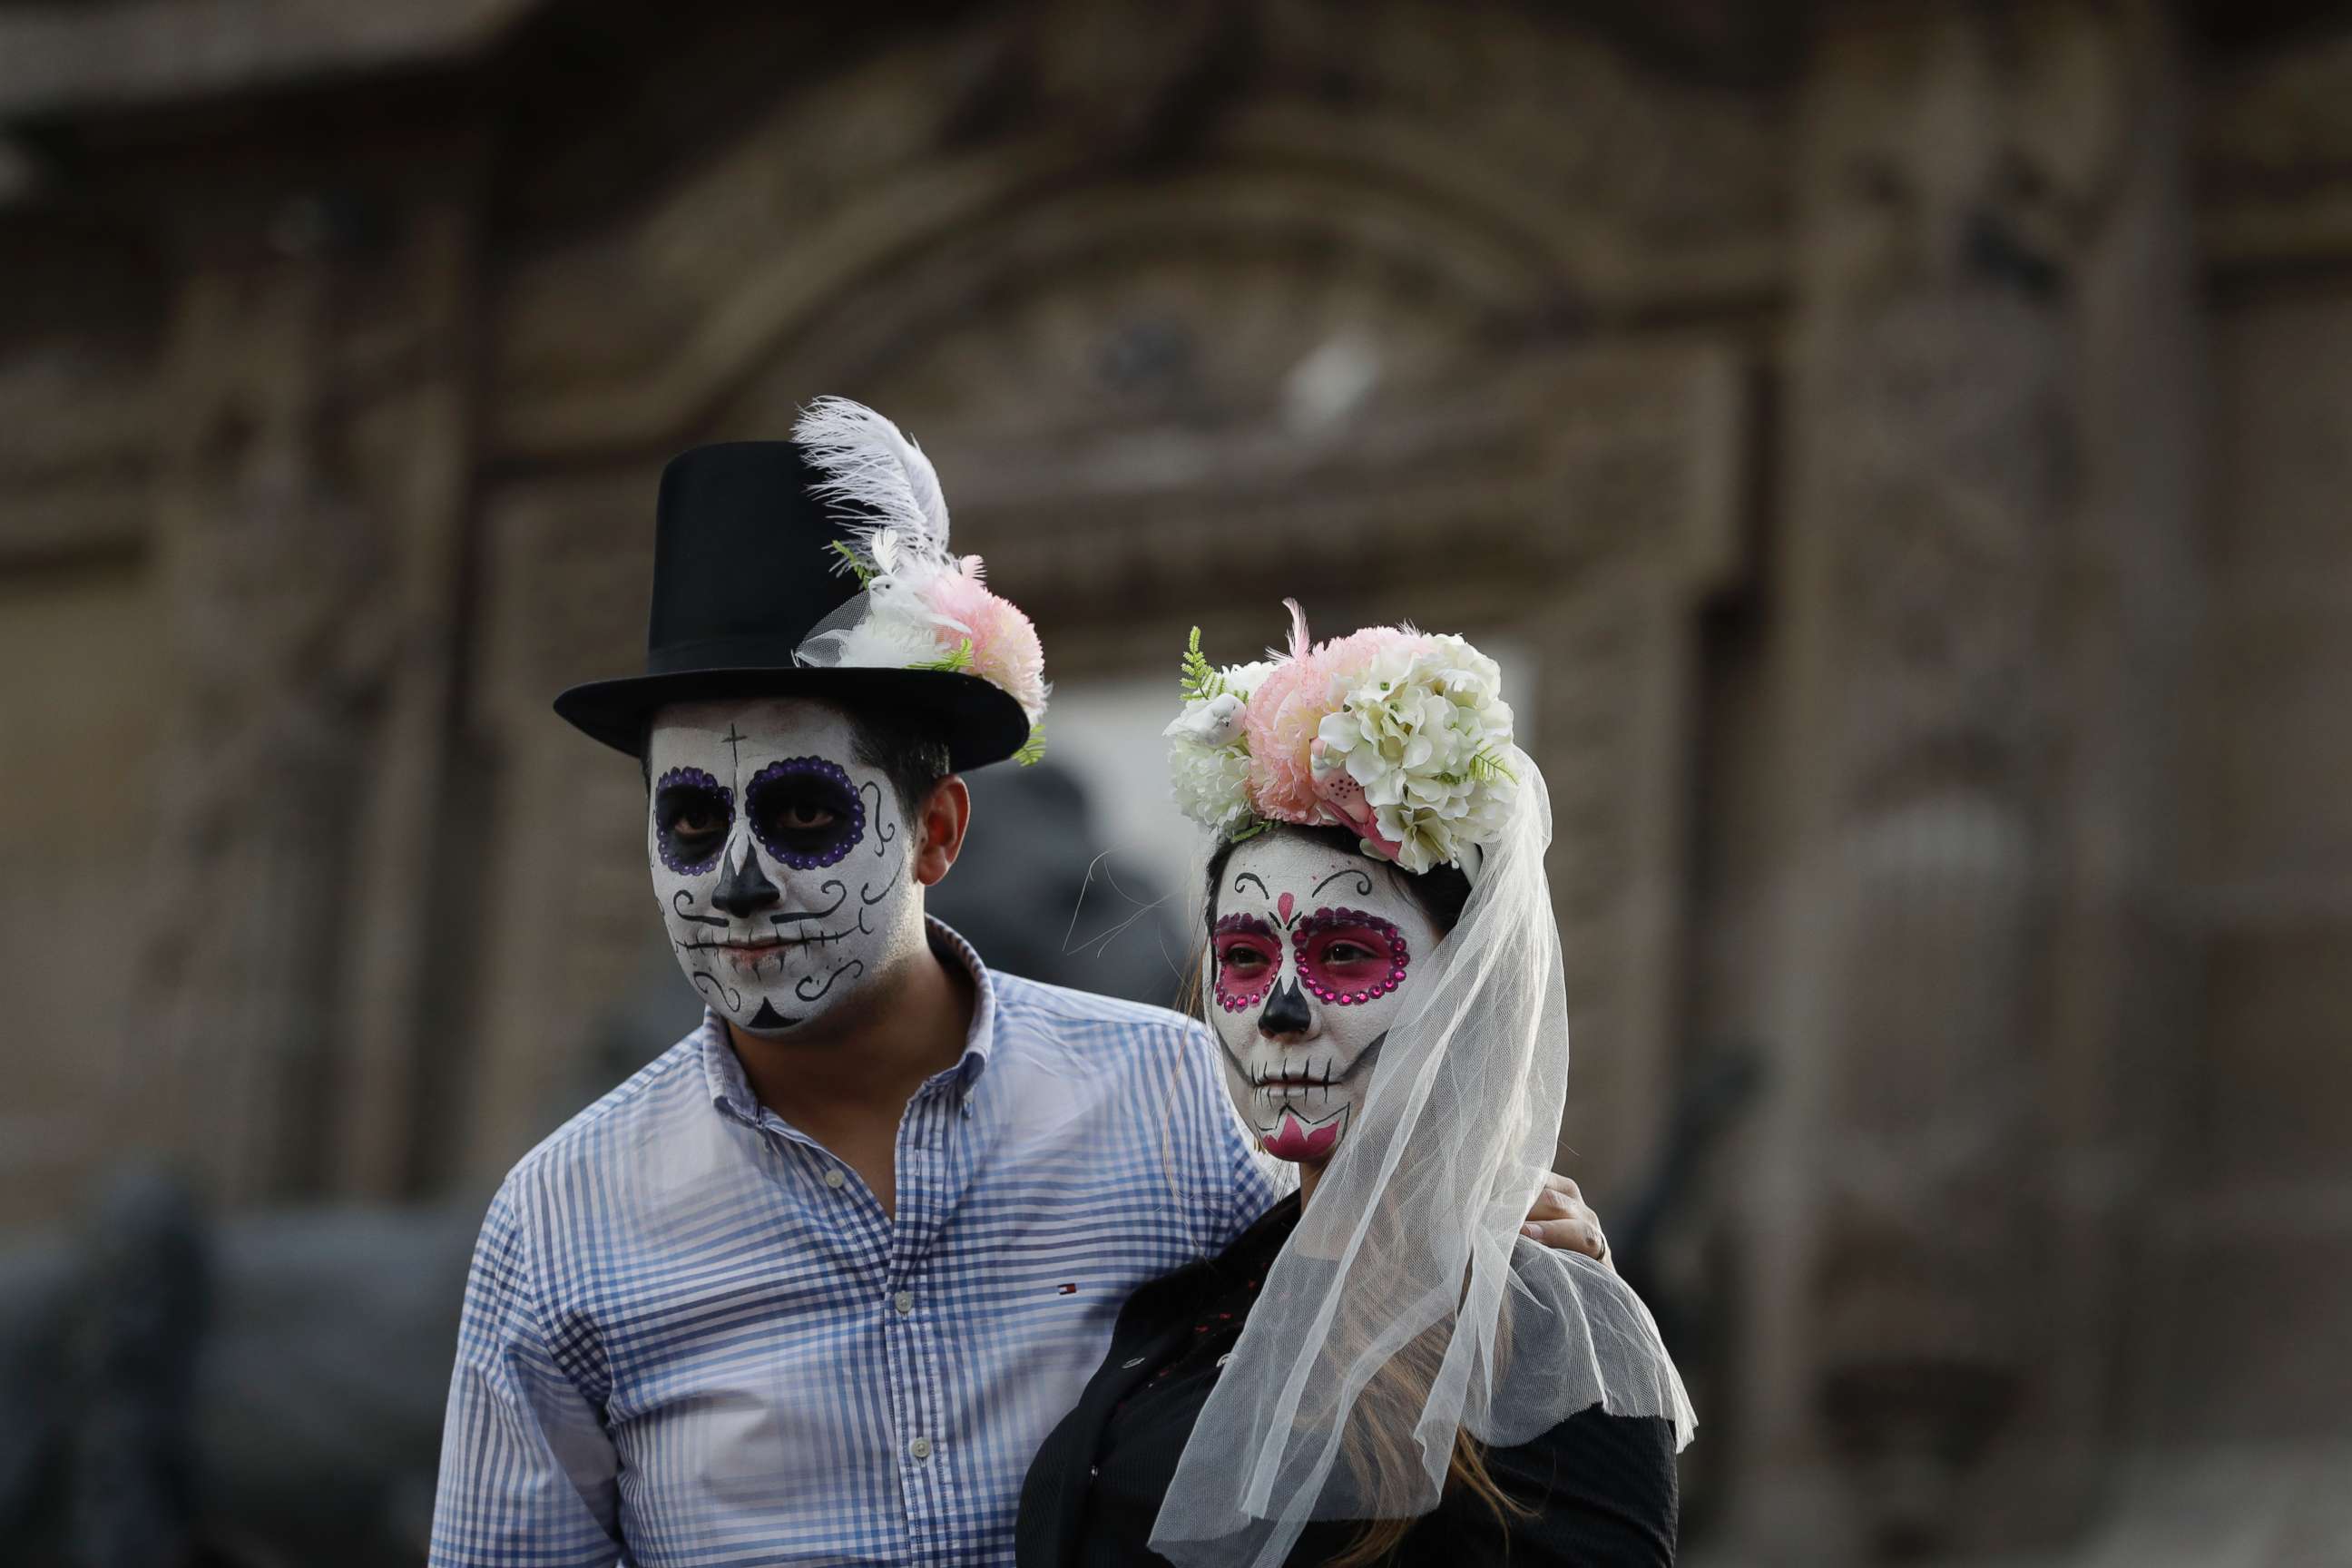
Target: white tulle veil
column 1412, row 1245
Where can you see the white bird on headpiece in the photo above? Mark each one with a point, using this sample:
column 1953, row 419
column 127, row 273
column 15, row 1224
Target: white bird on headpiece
column 1216, row 723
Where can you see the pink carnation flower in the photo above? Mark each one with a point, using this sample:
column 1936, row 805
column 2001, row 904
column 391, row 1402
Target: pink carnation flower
column 1280, row 725
column 1004, row 647
column 1287, row 708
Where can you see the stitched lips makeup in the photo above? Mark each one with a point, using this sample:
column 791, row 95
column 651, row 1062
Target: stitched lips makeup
column 1309, row 952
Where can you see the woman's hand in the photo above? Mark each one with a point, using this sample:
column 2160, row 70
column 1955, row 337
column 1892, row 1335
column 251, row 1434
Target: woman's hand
column 1562, row 1220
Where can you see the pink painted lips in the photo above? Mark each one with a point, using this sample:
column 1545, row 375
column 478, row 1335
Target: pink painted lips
column 1295, row 1139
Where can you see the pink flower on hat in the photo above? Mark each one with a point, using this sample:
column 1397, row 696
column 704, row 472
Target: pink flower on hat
column 1004, row 647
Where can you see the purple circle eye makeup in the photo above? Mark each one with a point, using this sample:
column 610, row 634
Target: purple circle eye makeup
column 804, row 812
column 692, row 812
column 1346, row 957
column 1248, row 957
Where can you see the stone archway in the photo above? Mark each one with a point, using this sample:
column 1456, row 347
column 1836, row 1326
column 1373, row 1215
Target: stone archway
column 1316, row 332
column 1580, row 505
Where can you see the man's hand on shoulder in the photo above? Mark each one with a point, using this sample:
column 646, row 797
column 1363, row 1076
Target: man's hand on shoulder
column 1562, row 1220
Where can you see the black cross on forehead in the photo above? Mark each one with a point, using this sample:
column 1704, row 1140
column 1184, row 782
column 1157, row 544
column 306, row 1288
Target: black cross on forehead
column 734, row 742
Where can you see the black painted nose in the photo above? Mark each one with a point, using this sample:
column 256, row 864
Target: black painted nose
column 747, row 889
column 1285, row 1011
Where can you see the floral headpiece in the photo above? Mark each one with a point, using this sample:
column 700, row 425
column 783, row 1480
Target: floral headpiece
column 1401, row 735
column 920, row 605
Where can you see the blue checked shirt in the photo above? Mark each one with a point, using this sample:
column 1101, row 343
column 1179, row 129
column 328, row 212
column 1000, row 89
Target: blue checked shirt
column 691, row 1336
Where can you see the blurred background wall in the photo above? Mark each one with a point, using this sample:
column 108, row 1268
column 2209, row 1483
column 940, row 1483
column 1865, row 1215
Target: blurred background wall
column 1902, row 448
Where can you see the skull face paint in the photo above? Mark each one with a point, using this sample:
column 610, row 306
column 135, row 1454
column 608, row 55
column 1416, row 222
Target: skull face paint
column 781, row 860
column 1310, row 950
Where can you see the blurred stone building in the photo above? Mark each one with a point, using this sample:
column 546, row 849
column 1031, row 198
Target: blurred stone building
column 1909, row 441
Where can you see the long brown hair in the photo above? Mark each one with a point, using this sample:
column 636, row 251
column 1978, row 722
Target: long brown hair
column 1379, row 1448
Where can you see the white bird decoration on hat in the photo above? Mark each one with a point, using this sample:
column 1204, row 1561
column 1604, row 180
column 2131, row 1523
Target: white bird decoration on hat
column 1216, row 723
column 870, row 463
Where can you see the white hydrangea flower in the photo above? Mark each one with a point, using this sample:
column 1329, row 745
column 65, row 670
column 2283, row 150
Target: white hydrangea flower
column 1208, row 752
column 1210, row 784
column 1425, row 732
column 1244, row 678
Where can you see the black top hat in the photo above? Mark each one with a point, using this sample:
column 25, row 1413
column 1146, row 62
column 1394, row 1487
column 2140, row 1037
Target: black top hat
column 743, row 570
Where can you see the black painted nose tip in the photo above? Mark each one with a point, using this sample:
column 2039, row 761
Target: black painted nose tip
column 747, row 891
column 1286, row 1012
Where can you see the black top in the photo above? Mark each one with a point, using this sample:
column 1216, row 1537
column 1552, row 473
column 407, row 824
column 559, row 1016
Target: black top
column 1602, row 1487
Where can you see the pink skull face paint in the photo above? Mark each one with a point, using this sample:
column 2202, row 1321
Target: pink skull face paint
column 779, row 858
column 1247, row 955
column 1349, row 956
column 1310, row 949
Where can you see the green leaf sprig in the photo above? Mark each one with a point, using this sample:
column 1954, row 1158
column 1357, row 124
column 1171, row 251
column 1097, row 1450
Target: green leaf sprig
column 953, row 663
column 852, row 562
column 1200, row 678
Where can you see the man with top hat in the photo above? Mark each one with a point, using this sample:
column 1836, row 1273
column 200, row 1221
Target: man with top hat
column 813, row 1285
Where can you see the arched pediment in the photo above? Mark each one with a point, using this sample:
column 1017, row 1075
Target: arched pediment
column 1231, row 295
column 1497, row 175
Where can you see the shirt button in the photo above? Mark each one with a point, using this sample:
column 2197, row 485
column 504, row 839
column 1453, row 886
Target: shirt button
column 921, row 1448
column 835, row 1180
column 1094, row 1472
column 904, row 1301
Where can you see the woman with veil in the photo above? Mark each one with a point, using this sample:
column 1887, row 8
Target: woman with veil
column 1383, row 1369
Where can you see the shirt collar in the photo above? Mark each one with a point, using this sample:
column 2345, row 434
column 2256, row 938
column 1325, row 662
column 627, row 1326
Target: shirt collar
column 981, row 1038
column 732, row 1092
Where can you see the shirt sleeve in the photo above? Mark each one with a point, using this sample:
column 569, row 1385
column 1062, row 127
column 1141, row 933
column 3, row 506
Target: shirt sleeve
column 1599, row 1490
column 528, row 1471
